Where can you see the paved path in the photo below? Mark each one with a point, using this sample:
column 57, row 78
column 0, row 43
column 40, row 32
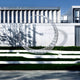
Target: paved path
column 40, row 75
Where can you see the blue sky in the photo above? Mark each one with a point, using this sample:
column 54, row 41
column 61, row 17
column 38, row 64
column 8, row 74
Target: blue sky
column 63, row 4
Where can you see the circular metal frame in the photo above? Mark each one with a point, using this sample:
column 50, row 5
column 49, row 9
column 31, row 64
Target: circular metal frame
column 49, row 47
column 53, row 42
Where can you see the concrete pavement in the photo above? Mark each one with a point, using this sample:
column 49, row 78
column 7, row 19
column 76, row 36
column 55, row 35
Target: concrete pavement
column 40, row 75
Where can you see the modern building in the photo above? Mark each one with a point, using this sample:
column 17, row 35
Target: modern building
column 12, row 20
column 72, row 18
column 73, row 15
column 27, row 15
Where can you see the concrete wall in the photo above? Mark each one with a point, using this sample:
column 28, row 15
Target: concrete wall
column 66, row 34
column 37, row 34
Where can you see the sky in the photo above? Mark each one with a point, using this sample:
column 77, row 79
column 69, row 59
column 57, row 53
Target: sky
column 64, row 5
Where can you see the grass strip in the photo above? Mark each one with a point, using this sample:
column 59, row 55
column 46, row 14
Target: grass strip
column 7, row 52
column 38, row 54
column 29, row 59
column 11, row 48
column 70, row 54
column 40, row 66
column 67, row 48
column 64, row 48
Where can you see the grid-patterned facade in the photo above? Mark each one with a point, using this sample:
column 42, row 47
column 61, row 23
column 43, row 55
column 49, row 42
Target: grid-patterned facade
column 27, row 15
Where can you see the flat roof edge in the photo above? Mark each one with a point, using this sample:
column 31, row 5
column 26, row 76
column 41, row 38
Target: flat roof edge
column 75, row 6
column 30, row 8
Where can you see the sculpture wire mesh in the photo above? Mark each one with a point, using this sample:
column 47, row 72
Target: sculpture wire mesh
column 20, row 38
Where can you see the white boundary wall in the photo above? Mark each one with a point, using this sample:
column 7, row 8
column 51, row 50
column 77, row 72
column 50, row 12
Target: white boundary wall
column 66, row 35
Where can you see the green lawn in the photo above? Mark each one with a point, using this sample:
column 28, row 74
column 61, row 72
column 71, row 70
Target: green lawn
column 68, row 48
column 30, row 59
column 40, row 67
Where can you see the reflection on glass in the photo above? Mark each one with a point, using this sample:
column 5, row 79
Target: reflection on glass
column 77, row 13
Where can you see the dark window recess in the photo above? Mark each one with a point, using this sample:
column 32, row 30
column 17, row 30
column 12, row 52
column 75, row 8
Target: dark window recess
column 35, row 16
column 31, row 17
column 22, row 16
column 40, row 17
column 27, row 17
column 18, row 16
column 76, row 16
column 6, row 17
column 14, row 16
column 43, row 17
column 1, row 16
column 76, row 21
column 10, row 17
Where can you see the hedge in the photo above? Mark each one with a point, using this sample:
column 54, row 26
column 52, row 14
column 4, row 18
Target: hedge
column 30, row 59
column 68, row 48
column 40, row 66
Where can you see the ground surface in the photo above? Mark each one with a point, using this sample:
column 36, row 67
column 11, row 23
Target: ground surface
column 40, row 75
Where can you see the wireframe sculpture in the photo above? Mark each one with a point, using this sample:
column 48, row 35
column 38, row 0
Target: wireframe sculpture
column 24, row 35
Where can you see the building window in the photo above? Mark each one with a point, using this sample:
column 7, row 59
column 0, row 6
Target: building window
column 76, row 13
column 10, row 16
column 31, row 17
column 5, row 16
column 26, row 16
column 14, row 16
column 48, row 16
column 18, row 16
column 22, row 16
column 40, row 17
column 2, row 16
column 43, row 17
column 76, row 16
column 35, row 16
column 76, row 21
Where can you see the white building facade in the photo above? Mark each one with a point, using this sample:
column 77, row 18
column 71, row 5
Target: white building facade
column 36, row 30
column 27, row 15
column 72, row 17
column 12, row 19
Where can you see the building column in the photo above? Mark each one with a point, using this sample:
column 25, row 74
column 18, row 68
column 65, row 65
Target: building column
column 46, row 15
column 25, row 16
column 8, row 20
column 12, row 14
column 21, row 16
column 16, row 20
column 33, row 16
column 58, row 16
column 54, row 16
column 3, row 16
column 37, row 19
column 29, row 16
column 41, row 16
column 0, row 16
